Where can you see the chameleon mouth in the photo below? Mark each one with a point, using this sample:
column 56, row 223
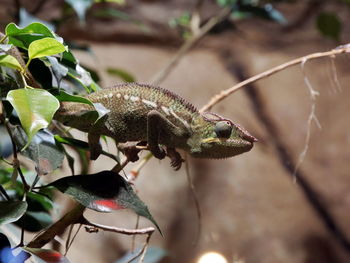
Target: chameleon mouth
column 250, row 138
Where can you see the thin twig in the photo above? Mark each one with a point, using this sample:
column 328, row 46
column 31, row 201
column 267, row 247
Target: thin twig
column 335, row 74
column 142, row 252
column 225, row 93
column 134, row 237
column 124, row 231
column 120, row 166
column 71, row 242
column 133, row 174
column 16, row 164
column 196, row 201
column 160, row 76
column 3, row 192
column 70, row 230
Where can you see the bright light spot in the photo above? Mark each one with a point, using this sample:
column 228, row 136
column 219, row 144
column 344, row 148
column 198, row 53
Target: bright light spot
column 212, row 257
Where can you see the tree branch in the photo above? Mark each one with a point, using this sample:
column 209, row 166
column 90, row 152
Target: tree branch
column 72, row 217
column 124, row 231
column 225, row 93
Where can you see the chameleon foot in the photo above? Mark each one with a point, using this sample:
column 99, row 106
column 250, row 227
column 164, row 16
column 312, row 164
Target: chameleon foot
column 157, row 152
column 130, row 151
column 175, row 158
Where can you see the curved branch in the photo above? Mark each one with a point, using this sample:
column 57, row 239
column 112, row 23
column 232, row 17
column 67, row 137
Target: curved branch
column 225, row 93
column 124, row 231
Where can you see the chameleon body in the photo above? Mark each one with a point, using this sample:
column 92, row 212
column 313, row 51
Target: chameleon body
column 157, row 116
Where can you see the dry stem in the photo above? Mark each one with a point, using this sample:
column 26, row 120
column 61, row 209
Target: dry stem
column 225, row 93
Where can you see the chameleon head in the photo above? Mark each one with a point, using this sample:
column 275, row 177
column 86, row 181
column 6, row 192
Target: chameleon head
column 76, row 115
column 220, row 138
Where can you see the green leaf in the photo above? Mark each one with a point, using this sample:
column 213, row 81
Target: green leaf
column 124, row 75
column 11, row 211
column 80, row 7
column 35, row 108
column 64, row 96
column 42, row 150
column 45, row 47
column 10, row 61
column 329, row 25
column 46, row 255
column 72, row 142
column 103, row 192
column 22, row 37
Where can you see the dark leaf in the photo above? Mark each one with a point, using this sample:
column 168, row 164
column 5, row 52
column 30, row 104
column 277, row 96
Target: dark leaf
column 124, row 75
column 329, row 25
column 68, row 59
column 39, row 202
column 4, row 242
column 41, row 73
column 34, row 221
column 11, row 211
column 5, row 143
column 46, row 255
column 104, row 192
column 42, row 150
column 58, row 70
column 266, row 12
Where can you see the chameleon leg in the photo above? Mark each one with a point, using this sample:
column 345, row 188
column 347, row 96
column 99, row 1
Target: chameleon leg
column 95, row 146
column 175, row 157
column 156, row 122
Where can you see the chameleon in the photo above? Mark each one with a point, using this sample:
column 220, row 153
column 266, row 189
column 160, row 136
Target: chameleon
column 159, row 118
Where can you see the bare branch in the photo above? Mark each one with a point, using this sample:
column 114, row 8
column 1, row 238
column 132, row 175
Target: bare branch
column 72, row 217
column 124, row 231
column 225, row 93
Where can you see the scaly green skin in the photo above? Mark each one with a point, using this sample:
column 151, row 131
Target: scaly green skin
column 145, row 113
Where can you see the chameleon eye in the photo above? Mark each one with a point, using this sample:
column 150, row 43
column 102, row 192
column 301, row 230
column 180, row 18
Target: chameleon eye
column 223, row 129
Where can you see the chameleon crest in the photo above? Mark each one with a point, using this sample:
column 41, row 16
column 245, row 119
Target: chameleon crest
column 159, row 117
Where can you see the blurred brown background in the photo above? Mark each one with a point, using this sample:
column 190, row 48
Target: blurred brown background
column 252, row 207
